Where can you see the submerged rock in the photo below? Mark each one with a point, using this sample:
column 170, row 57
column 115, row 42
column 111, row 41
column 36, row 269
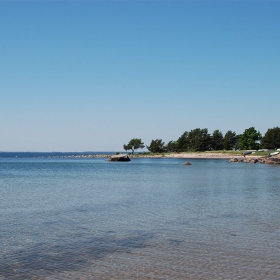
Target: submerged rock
column 187, row 163
column 121, row 157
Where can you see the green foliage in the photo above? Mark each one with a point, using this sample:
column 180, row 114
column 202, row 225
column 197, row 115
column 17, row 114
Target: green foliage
column 195, row 140
column 182, row 142
column 248, row 140
column 134, row 144
column 217, row 140
column 271, row 139
column 171, row 146
column 156, row 146
column 237, row 142
column 199, row 140
column 230, row 140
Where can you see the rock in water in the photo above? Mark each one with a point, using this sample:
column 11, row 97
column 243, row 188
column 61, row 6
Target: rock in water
column 272, row 160
column 121, row 157
column 187, row 163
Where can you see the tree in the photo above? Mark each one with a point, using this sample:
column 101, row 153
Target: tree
column 182, row 142
column 134, row 144
column 171, row 146
column 271, row 139
column 196, row 140
column 249, row 139
column 199, row 139
column 156, row 146
column 230, row 140
column 217, row 140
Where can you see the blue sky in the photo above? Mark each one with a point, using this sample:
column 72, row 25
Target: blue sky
column 91, row 75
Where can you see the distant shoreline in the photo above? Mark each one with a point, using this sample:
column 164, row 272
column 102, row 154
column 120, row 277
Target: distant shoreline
column 202, row 155
column 232, row 156
column 89, row 155
column 190, row 155
column 193, row 155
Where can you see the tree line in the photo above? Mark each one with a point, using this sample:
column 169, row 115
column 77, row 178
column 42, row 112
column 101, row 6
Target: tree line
column 199, row 140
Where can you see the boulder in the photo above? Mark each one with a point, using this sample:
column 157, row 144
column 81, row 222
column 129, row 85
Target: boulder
column 187, row 163
column 233, row 160
column 121, row 157
column 269, row 160
column 273, row 161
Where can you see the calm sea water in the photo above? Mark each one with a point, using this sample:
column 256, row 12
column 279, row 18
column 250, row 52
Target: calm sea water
column 145, row 219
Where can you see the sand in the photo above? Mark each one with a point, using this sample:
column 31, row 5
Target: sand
column 202, row 155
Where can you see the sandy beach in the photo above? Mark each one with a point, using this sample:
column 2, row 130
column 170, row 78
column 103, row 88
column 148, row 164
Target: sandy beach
column 209, row 155
column 202, row 155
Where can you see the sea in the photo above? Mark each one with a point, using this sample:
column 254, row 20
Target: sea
column 87, row 218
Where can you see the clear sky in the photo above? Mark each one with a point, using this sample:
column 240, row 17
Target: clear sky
column 91, row 75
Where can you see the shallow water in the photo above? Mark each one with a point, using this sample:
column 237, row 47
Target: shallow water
column 145, row 219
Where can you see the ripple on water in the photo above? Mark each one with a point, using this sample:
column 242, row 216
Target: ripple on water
column 151, row 219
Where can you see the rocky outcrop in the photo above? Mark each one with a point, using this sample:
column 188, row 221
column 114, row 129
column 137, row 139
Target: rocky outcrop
column 121, row 157
column 269, row 160
column 233, row 160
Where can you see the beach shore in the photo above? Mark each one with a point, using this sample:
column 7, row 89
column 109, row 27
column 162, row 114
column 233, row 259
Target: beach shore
column 184, row 155
column 234, row 157
column 202, row 155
